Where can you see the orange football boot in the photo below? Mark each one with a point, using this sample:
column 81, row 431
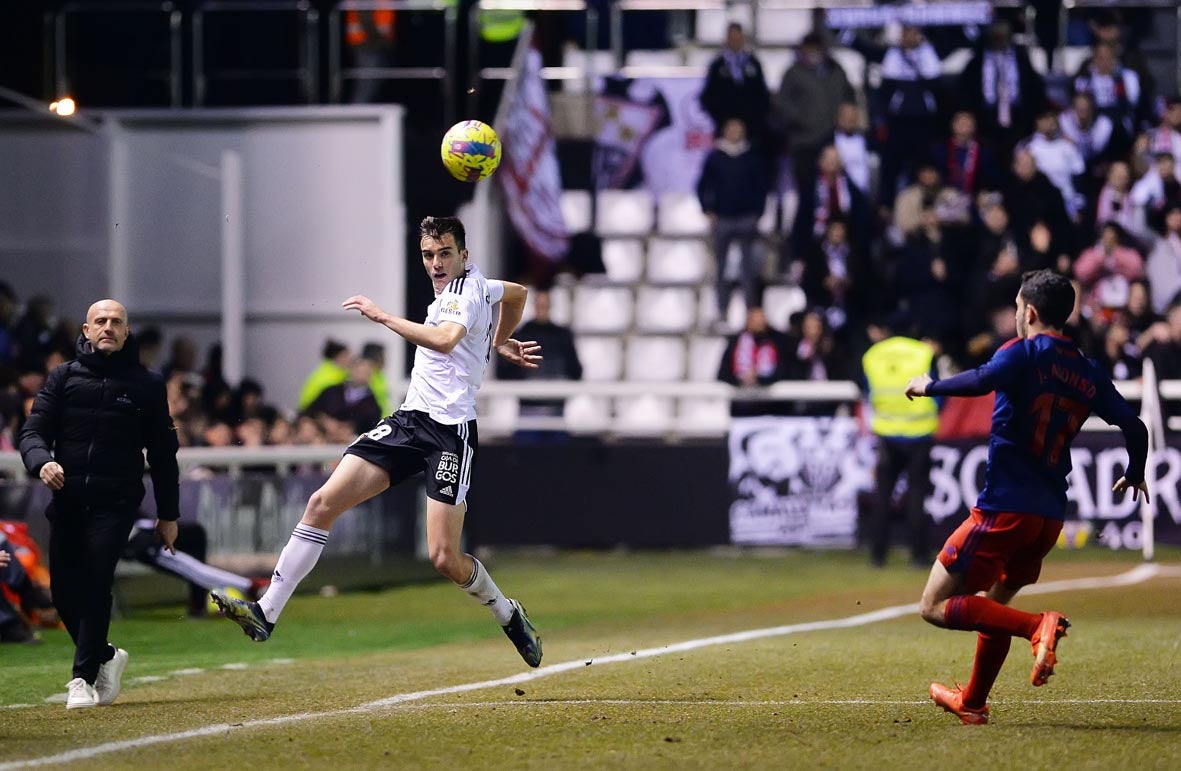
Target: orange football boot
column 952, row 700
column 1044, row 643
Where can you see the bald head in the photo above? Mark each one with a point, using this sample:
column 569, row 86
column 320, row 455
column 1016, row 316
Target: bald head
column 106, row 326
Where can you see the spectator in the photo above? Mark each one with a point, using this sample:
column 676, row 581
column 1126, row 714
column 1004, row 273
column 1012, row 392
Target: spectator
column 1031, row 197
column 1087, row 129
column 735, row 87
column 1105, row 271
column 1116, row 89
column 308, row 431
column 817, row 355
column 852, row 146
column 1115, row 202
column 812, row 91
column 928, row 193
column 1038, row 252
column 1002, row 327
column 1165, row 137
column 996, row 236
column 150, row 347
column 923, row 280
column 561, row 357
column 1120, row 356
column 1165, row 348
column 7, row 315
column 33, row 333
column 247, row 404
column 831, row 195
column 1158, row 190
column 966, row 164
column 215, row 392
column 183, row 358
column 1057, row 158
column 1138, row 316
column 834, row 276
column 374, row 353
column 910, row 73
column 1002, row 88
column 351, row 402
column 1164, row 262
column 369, row 34
column 997, row 285
column 280, row 432
column 758, row 355
column 332, row 370
column 733, row 192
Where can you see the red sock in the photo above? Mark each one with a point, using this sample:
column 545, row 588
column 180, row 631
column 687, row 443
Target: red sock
column 980, row 614
column 990, row 656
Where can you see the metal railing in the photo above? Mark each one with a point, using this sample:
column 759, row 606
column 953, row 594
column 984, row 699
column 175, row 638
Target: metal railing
column 445, row 73
column 58, row 51
column 307, row 48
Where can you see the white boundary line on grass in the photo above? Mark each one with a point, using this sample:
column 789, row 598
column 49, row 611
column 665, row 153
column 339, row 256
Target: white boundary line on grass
column 1136, row 575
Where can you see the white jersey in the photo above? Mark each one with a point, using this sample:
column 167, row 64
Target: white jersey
column 444, row 385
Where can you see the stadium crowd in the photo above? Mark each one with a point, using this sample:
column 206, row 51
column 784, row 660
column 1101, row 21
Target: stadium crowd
column 981, row 177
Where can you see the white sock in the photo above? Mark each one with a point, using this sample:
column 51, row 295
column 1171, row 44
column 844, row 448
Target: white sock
column 484, row 590
column 297, row 560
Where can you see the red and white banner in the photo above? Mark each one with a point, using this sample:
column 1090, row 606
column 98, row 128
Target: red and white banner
column 529, row 174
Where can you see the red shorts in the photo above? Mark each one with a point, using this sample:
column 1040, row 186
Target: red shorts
column 993, row 546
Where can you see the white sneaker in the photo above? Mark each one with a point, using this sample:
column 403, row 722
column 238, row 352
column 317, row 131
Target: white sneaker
column 110, row 678
column 80, row 693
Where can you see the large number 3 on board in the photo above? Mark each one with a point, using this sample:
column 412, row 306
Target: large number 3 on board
column 1058, row 420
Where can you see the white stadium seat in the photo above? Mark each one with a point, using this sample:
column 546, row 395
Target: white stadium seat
column 656, row 359
column 602, row 308
column 703, row 416
column 624, row 259
column 601, row 357
column 576, row 210
column 780, row 302
column 678, row 260
column 498, row 415
column 1072, row 58
column 560, row 310
column 782, row 26
column 660, row 58
column 701, row 57
column 624, row 213
column 646, row 415
column 587, row 414
column 853, row 63
column 1037, row 59
column 791, row 204
column 600, row 63
column 711, row 25
column 776, row 61
column 679, row 214
column 770, row 215
column 705, row 357
column 665, row 309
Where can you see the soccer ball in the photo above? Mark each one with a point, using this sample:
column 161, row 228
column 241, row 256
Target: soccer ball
column 471, row 151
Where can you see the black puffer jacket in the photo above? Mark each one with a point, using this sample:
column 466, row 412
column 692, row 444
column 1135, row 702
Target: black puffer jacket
column 95, row 416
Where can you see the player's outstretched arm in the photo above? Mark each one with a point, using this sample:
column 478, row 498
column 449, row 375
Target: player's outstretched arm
column 512, row 305
column 442, row 338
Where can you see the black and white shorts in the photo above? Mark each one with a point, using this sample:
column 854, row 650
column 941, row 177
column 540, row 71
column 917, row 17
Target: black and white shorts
column 410, row 441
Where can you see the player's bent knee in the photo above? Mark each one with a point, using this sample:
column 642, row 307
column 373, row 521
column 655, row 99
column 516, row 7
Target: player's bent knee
column 320, row 512
column 932, row 612
column 449, row 563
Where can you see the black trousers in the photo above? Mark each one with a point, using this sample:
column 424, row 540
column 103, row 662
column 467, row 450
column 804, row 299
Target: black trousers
column 84, row 546
column 895, row 456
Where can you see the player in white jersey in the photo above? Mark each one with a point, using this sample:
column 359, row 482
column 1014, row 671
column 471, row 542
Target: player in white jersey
column 434, row 431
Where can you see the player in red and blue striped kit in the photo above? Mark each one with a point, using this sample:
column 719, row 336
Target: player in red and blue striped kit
column 1045, row 390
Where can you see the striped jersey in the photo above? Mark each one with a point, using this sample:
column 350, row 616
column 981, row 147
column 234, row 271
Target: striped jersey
column 444, row 385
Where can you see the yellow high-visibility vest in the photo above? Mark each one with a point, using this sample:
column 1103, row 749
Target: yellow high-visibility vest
column 501, row 26
column 889, row 366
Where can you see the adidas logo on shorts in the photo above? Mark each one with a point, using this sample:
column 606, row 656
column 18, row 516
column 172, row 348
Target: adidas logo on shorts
column 447, row 491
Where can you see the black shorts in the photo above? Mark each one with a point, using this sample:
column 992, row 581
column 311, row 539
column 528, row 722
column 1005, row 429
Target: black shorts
column 409, row 441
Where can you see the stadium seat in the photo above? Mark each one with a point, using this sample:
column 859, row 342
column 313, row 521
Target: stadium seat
column 600, row 63
column 678, row 260
column 707, row 310
column 498, row 415
column 770, row 216
column 624, row 259
column 853, row 63
column 665, row 309
column 703, row 416
column 601, row 357
column 655, row 359
column 602, row 308
column 679, row 214
column 700, row 57
column 1072, row 57
column 711, row 24
column 588, row 414
column 624, row 213
column 791, row 204
column 576, row 210
column 783, row 26
column 780, row 302
column 647, row 415
column 705, row 356
column 776, row 61
column 955, row 62
column 560, row 311
column 1037, row 59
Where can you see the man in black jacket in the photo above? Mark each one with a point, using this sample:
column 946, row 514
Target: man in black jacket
column 84, row 439
column 735, row 88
